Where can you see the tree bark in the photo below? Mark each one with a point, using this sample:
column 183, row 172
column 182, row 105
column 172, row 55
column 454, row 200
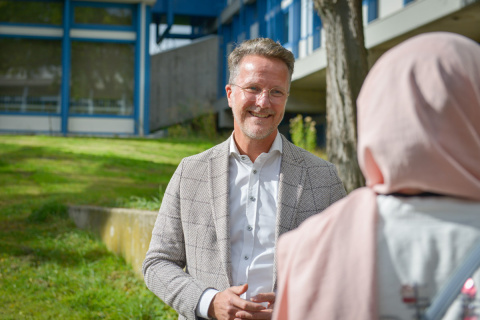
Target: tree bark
column 346, row 69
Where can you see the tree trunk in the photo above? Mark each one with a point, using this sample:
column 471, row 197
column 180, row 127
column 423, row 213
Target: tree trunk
column 346, row 69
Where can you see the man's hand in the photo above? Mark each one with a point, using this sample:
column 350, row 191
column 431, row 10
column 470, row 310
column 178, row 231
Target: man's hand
column 265, row 297
column 227, row 304
column 263, row 314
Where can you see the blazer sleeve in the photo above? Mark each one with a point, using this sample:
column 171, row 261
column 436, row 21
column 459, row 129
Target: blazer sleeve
column 163, row 268
column 337, row 190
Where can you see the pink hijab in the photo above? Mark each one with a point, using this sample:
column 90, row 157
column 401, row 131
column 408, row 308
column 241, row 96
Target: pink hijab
column 419, row 131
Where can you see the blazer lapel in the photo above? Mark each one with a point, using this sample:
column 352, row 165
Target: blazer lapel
column 290, row 188
column 218, row 177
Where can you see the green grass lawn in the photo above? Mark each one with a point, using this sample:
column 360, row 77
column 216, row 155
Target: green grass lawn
column 48, row 268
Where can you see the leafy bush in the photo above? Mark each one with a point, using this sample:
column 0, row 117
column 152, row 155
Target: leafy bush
column 303, row 132
column 203, row 126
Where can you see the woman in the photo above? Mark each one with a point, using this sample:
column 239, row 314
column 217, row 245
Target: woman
column 385, row 250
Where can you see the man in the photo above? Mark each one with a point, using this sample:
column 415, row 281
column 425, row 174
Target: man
column 213, row 244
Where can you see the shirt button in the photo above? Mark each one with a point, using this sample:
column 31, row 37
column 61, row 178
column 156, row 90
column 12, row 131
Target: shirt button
column 243, row 158
column 254, row 171
column 246, row 257
column 252, row 198
column 249, row 228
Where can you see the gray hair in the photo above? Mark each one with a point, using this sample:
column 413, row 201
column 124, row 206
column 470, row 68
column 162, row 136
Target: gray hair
column 261, row 47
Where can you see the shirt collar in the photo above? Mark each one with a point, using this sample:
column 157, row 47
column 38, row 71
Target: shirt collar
column 277, row 145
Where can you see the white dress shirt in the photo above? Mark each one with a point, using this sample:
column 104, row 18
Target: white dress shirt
column 253, row 210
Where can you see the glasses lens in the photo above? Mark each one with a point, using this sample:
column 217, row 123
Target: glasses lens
column 252, row 93
column 277, row 93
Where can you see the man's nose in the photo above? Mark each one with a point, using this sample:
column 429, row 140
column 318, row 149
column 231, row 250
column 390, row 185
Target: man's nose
column 263, row 98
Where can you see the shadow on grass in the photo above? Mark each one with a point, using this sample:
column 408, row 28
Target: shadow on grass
column 42, row 173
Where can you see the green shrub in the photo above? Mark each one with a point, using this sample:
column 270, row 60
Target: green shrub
column 202, row 126
column 303, row 132
column 178, row 131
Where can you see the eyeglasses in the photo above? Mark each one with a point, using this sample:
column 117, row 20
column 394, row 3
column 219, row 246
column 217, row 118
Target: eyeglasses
column 253, row 92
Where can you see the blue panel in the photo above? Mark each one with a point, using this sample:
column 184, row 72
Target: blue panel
column 275, row 20
column 296, row 13
column 136, row 93
column 279, row 17
column 252, row 17
column 13, row 24
column 241, row 20
column 235, row 27
column 146, row 110
column 405, row 2
column 268, row 19
column 29, row 37
column 101, row 27
column 372, row 9
column 317, row 28
column 205, row 8
column 66, row 57
column 261, row 11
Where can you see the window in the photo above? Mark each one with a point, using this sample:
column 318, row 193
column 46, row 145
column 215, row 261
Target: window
column 102, row 79
column 112, row 16
column 30, row 75
column 31, row 12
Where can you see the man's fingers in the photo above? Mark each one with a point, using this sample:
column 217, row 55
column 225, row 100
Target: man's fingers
column 238, row 290
column 264, row 314
column 264, row 297
column 247, row 305
column 225, row 304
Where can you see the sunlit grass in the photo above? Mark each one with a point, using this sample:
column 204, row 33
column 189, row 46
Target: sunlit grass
column 48, row 268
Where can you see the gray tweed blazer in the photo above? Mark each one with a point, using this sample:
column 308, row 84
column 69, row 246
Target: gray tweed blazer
column 190, row 247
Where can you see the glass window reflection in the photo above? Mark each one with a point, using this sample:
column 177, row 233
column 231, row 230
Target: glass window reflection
column 102, row 79
column 32, row 12
column 103, row 16
column 30, row 75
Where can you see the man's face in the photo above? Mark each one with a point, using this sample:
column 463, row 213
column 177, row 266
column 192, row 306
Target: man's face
column 258, row 119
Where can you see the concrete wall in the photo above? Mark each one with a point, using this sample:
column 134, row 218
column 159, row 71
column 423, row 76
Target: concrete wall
column 126, row 232
column 183, row 82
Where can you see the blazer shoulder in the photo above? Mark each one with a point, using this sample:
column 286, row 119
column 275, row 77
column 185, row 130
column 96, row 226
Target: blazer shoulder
column 213, row 152
column 300, row 155
column 315, row 161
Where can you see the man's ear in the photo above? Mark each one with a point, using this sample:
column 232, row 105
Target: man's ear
column 228, row 90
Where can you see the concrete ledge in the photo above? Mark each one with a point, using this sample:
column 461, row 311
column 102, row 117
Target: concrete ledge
column 126, row 232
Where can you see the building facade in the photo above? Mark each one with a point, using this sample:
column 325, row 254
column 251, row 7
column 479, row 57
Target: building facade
column 83, row 67
column 296, row 25
column 74, row 67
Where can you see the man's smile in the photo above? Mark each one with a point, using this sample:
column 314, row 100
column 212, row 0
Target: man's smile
column 260, row 115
